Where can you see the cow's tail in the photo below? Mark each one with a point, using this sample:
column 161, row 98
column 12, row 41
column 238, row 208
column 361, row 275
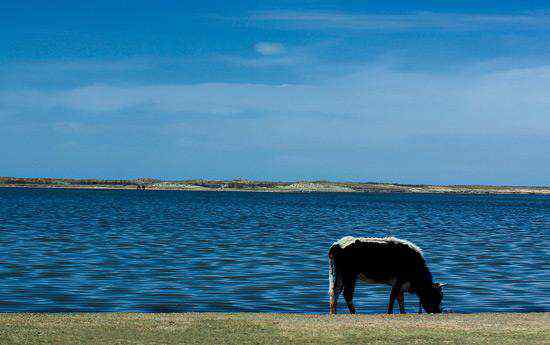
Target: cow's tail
column 332, row 276
column 331, row 266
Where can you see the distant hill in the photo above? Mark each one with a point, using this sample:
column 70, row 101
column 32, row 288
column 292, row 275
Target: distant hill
column 265, row 186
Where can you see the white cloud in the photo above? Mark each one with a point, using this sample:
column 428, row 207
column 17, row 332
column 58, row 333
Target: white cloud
column 267, row 61
column 78, row 66
column 422, row 20
column 504, row 101
column 378, row 122
column 272, row 54
column 269, row 48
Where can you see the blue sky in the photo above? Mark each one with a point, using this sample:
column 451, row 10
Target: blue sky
column 415, row 92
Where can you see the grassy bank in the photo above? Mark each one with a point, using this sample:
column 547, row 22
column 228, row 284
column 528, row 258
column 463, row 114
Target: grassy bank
column 136, row 328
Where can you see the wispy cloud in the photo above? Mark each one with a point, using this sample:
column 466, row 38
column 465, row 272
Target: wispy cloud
column 266, row 61
column 79, row 128
column 496, row 101
column 269, row 48
column 472, row 126
column 83, row 65
column 422, row 20
column 273, row 54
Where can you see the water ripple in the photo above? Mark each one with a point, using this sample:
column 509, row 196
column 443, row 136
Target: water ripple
column 85, row 250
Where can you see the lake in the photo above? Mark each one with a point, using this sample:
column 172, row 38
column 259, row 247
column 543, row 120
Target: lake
column 178, row 251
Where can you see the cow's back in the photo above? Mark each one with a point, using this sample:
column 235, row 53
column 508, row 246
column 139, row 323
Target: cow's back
column 379, row 260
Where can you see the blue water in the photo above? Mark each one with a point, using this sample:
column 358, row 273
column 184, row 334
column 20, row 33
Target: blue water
column 105, row 250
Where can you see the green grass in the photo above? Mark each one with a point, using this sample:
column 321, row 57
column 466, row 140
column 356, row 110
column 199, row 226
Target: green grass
column 206, row 328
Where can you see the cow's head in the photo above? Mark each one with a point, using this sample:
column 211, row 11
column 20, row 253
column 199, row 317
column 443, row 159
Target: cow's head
column 431, row 298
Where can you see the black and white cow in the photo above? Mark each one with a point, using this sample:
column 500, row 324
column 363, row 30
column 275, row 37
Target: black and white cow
column 388, row 260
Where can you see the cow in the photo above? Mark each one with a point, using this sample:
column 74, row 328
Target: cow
column 387, row 260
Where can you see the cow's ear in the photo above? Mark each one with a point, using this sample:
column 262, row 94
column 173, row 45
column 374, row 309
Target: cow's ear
column 440, row 285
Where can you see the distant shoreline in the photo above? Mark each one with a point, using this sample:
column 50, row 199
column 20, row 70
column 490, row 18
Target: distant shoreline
column 265, row 186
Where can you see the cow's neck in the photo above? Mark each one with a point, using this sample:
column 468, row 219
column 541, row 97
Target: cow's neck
column 423, row 280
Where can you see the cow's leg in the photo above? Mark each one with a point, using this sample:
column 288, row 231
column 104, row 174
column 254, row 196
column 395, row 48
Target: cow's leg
column 335, row 288
column 334, row 293
column 401, row 301
column 349, row 289
column 395, row 289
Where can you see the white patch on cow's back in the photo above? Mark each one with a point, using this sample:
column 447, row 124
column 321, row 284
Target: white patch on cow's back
column 344, row 241
column 349, row 240
column 405, row 242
